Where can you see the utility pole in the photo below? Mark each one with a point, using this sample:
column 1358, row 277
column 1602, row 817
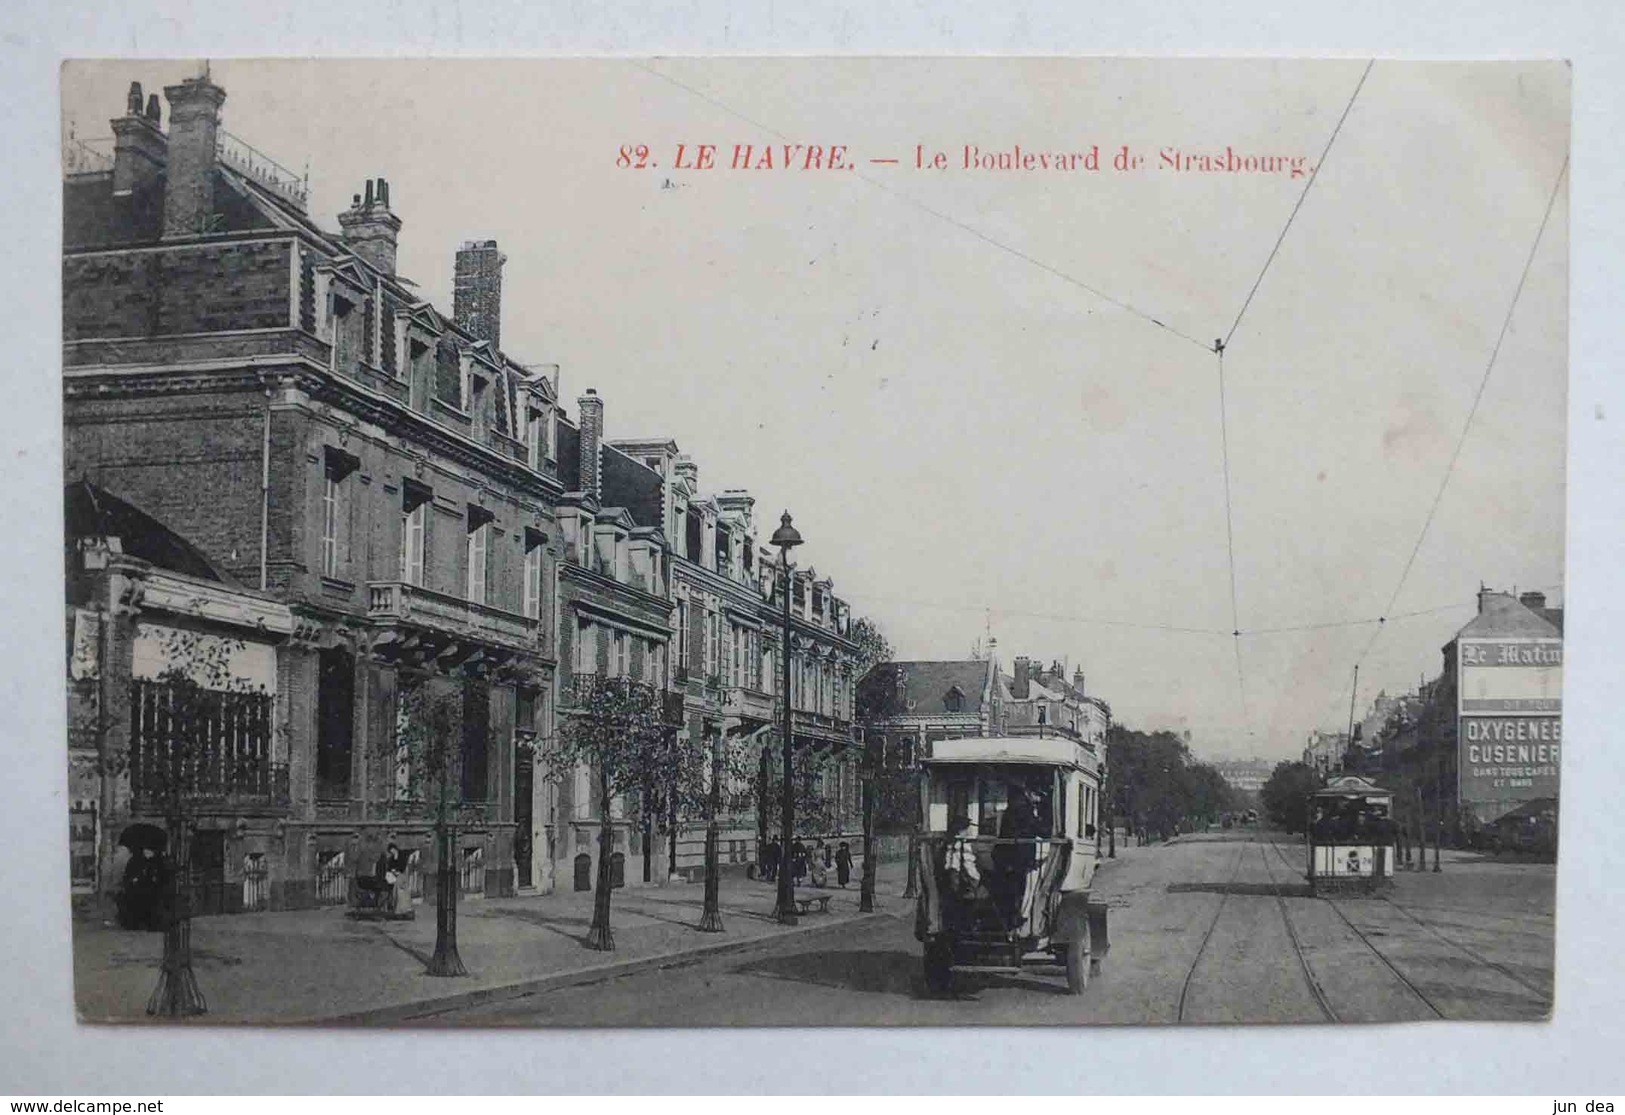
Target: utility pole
column 1348, row 740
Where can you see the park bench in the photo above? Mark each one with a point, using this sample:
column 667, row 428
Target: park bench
column 820, row 900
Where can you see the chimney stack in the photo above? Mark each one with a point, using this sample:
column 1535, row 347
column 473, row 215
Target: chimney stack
column 1077, row 681
column 370, row 230
column 592, row 437
column 1536, row 600
column 685, row 468
column 1024, row 668
column 194, row 136
column 476, row 297
column 140, row 148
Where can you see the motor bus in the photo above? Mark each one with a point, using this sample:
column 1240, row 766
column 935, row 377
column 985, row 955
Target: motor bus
column 1007, row 856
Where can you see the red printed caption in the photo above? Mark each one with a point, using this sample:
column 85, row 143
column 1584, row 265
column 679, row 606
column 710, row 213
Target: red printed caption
column 970, row 158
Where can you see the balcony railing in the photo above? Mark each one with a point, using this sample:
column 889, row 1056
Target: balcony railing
column 82, row 156
column 264, row 786
column 404, row 603
column 750, row 703
column 578, row 694
column 263, row 169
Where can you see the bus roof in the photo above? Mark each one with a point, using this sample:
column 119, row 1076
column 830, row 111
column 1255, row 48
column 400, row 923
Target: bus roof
column 1044, row 751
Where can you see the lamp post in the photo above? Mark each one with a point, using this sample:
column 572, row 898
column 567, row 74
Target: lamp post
column 786, row 538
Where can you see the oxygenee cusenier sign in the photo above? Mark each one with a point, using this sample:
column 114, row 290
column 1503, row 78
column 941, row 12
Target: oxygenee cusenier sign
column 1510, row 726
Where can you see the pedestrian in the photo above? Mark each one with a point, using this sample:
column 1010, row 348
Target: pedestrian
column 798, row 861
column 392, row 873
column 142, row 897
column 770, row 860
column 843, row 864
column 824, row 848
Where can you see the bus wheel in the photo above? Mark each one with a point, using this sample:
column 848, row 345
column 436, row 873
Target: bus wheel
column 1077, row 960
column 939, row 959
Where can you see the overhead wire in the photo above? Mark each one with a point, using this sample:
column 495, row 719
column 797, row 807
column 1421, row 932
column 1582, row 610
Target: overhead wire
column 1237, row 632
column 1314, row 176
column 1472, row 413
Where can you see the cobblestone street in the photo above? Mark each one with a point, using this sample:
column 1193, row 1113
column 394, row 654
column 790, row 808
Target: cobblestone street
column 1204, row 930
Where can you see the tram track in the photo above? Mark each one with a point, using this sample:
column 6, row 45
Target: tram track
column 1470, row 951
column 1224, row 898
column 1421, row 995
column 1297, row 944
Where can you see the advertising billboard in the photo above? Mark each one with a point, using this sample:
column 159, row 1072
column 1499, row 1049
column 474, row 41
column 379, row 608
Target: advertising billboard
column 1510, row 727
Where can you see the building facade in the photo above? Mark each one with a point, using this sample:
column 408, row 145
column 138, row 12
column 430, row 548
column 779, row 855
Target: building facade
column 727, row 638
column 1245, row 775
column 1324, row 751
column 417, row 513
column 1044, row 702
column 275, row 394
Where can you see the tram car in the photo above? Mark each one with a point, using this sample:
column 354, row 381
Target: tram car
column 1351, row 836
column 1007, row 857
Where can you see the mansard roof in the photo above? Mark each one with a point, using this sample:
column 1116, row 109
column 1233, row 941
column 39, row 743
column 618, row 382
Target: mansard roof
column 926, row 686
column 631, row 484
column 1503, row 614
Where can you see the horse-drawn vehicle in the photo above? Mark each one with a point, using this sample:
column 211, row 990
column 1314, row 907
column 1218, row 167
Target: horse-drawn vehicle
column 1007, row 858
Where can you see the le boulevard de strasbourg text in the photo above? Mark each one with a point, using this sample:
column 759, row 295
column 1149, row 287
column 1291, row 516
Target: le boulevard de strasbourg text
column 967, row 157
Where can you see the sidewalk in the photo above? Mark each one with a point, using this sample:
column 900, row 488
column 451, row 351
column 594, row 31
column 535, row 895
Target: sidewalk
column 321, row 966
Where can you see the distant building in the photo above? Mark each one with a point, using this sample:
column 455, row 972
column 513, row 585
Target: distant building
column 1506, row 666
column 909, row 706
column 1045, row 702
column 1324, row 751
column 1245, row 775
column 1481, row 742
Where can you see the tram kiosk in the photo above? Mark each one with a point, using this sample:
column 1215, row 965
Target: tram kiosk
column 1007, row 858
column 1351, row 836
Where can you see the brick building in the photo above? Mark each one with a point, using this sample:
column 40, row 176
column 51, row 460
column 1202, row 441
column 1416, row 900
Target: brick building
column 614, row 619
column 423, row 512
column 279, row 397
column 727, row 628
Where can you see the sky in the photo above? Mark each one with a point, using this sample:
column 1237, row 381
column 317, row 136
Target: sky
column 989, row 397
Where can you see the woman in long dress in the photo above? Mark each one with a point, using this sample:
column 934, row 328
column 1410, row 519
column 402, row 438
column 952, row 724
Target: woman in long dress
column 394, row 874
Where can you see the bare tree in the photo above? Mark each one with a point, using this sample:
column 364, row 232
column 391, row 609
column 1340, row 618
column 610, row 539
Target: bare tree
column 618, row 730
column 198, row 732
column 427, row 752
column 873, row 650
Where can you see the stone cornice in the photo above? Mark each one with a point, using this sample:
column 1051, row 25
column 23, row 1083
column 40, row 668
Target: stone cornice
column 609, row 589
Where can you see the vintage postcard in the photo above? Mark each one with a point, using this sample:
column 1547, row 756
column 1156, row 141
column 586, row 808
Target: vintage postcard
column 806, row 541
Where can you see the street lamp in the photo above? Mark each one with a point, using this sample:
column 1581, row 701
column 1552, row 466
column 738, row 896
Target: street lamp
column 786, row 538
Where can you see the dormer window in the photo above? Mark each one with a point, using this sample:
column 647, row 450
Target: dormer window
column 537, row 442
column 724, row 550
column 954, row 700
column 348, row 332
column 694, row 528
column 448, row 373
